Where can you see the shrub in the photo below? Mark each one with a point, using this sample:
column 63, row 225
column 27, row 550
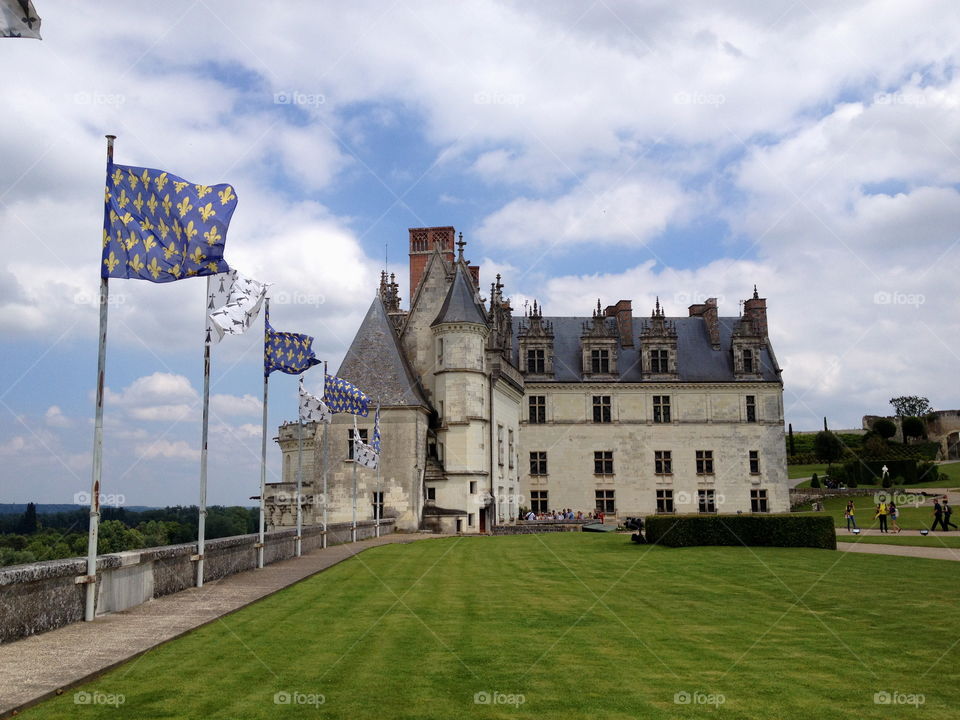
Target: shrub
column 827, row 446
column 885, row 428
column 804, row 458
column 913, row 427
column 814, row 481
column 752, row 530
column 887, row 482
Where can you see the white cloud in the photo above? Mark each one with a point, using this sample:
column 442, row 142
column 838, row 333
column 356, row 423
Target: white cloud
column 55, row 418
column 175, row 450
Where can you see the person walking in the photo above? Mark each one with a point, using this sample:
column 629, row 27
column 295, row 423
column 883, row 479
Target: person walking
column 882, row 516
column 894, row 512
column 937, row 515
column 848, row 515
column 947, row 512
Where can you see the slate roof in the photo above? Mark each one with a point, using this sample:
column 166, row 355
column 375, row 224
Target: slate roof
column 375, row 362
column 461, row 304
column 697, row 361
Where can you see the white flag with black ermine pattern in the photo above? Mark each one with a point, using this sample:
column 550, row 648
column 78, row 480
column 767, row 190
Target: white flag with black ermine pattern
column 312, row 408
column 233, row 303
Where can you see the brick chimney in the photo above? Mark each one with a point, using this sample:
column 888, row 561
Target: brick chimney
column 623, row 312
column 708, row 311
column 755, row 309
column 422, row 243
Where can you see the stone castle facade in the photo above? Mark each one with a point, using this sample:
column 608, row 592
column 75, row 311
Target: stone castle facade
column 484, row 414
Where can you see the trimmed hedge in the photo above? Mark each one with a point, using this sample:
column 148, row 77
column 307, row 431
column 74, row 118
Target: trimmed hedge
column 814, row 531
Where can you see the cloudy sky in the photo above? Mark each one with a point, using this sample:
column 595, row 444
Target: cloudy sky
column 590, row 149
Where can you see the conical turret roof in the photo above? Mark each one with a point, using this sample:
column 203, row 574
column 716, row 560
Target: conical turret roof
column 461, row 304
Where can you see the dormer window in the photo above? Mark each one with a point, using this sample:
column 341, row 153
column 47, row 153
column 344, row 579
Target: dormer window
column 600, row 361
column 660, row 361
column 748, row 360
column 536, row 361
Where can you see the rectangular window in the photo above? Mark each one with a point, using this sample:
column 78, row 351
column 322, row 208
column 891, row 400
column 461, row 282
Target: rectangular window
column 664, row 501
column 538, row 501
column 662, row 462
column 605, row 501
column 661, row 408
column 363, row 439
column 439, row 351
column 431, row 493
column 510, row 447
column 751, row 408
column 536, row 361
column 603, row 462
column 754, row 462
column 538, row 409
column 599, row 361
column 707, row 501
column 748, row 361
column 659, row 361
column 758, row 501
column 538, row 462
column 473, row 487
column 601, row 408
column 704, row 462
column 500, row 444
column 470, row 519
column 378, row 506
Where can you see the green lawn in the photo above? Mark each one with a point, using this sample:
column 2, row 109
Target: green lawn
column 933, row 540
column 579, row 625
column 912, row 516
column 799, row 471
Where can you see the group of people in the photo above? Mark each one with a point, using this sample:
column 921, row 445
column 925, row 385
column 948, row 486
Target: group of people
column 566, row 514
column 888, row 511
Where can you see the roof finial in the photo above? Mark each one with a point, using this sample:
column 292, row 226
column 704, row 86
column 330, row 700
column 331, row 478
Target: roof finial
column 658, row 305
column 460, row 245
column 755, row 295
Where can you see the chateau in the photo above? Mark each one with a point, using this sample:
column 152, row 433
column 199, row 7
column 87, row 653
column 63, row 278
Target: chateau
column 484, row 414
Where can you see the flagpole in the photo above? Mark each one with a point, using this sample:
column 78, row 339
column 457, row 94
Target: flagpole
column 353, row 529
column 202, row 519
column 263, row 442
column 324, row 469
column 378, row 507
column 299, row 478
column 97, row 475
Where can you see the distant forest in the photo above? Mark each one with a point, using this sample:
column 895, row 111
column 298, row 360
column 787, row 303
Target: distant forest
column 31, row 536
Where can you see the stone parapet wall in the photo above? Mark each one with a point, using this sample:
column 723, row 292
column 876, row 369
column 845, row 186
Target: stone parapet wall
column 43, row 596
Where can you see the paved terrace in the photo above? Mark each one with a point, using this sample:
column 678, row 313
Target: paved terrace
column 38, row 666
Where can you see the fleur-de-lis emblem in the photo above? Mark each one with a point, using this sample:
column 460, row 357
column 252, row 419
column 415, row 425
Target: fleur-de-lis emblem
column 131, row 241
column 154, row 268
column 160, row 180
column 212, row 267
column 213, row 236
column 146, row 225
column 148, row 243
column 133, row 179
column 113, row 218
column 136, row 264
column 111, row 262
column 179, row 186
column 226, row 195
column 167, row 204
column 177, row 230
column 106, row 237
column 163, row 229
column 175, row 270
column 152, row 204
column 123, row 199
column 125, row 218
column 169, row 251
column 145, row 179
column 300, row 357
column 190, row 231
column 202, row 190
column 106, row 194
column 207, row 211
column 138, row 203
column 184, row 206
column 197, row 257
column 117, row 176
column 286, row 340
column 191, row 272
column 289, row 356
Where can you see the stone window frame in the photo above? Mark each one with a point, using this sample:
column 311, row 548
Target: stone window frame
column 609, row 499
column 661, row 409
column 599, row 361
column 704, row 460
column 540, row 417
column 538, row 463
column 363, row 439
column 603, row 462
column 539, row 357
column 377, row 503
column 603, row 403
column 751, row 408
column 539, row 500
column 753, row 457
column 663, row 462
column 759, row 500
column 707, row 501
column 665, row 504
column 660, row 361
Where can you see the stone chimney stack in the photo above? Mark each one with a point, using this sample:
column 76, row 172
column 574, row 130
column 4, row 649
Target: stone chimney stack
column 708, row 311
column 623, row 312
column 422, row 243
column 755, row 310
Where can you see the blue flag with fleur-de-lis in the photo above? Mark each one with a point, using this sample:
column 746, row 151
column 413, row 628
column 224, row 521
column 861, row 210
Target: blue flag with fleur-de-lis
column 161, row 228
column 344, row 397
column 288, row 352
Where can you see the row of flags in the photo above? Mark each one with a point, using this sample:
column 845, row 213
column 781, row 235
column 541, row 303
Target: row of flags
column 162, row 228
